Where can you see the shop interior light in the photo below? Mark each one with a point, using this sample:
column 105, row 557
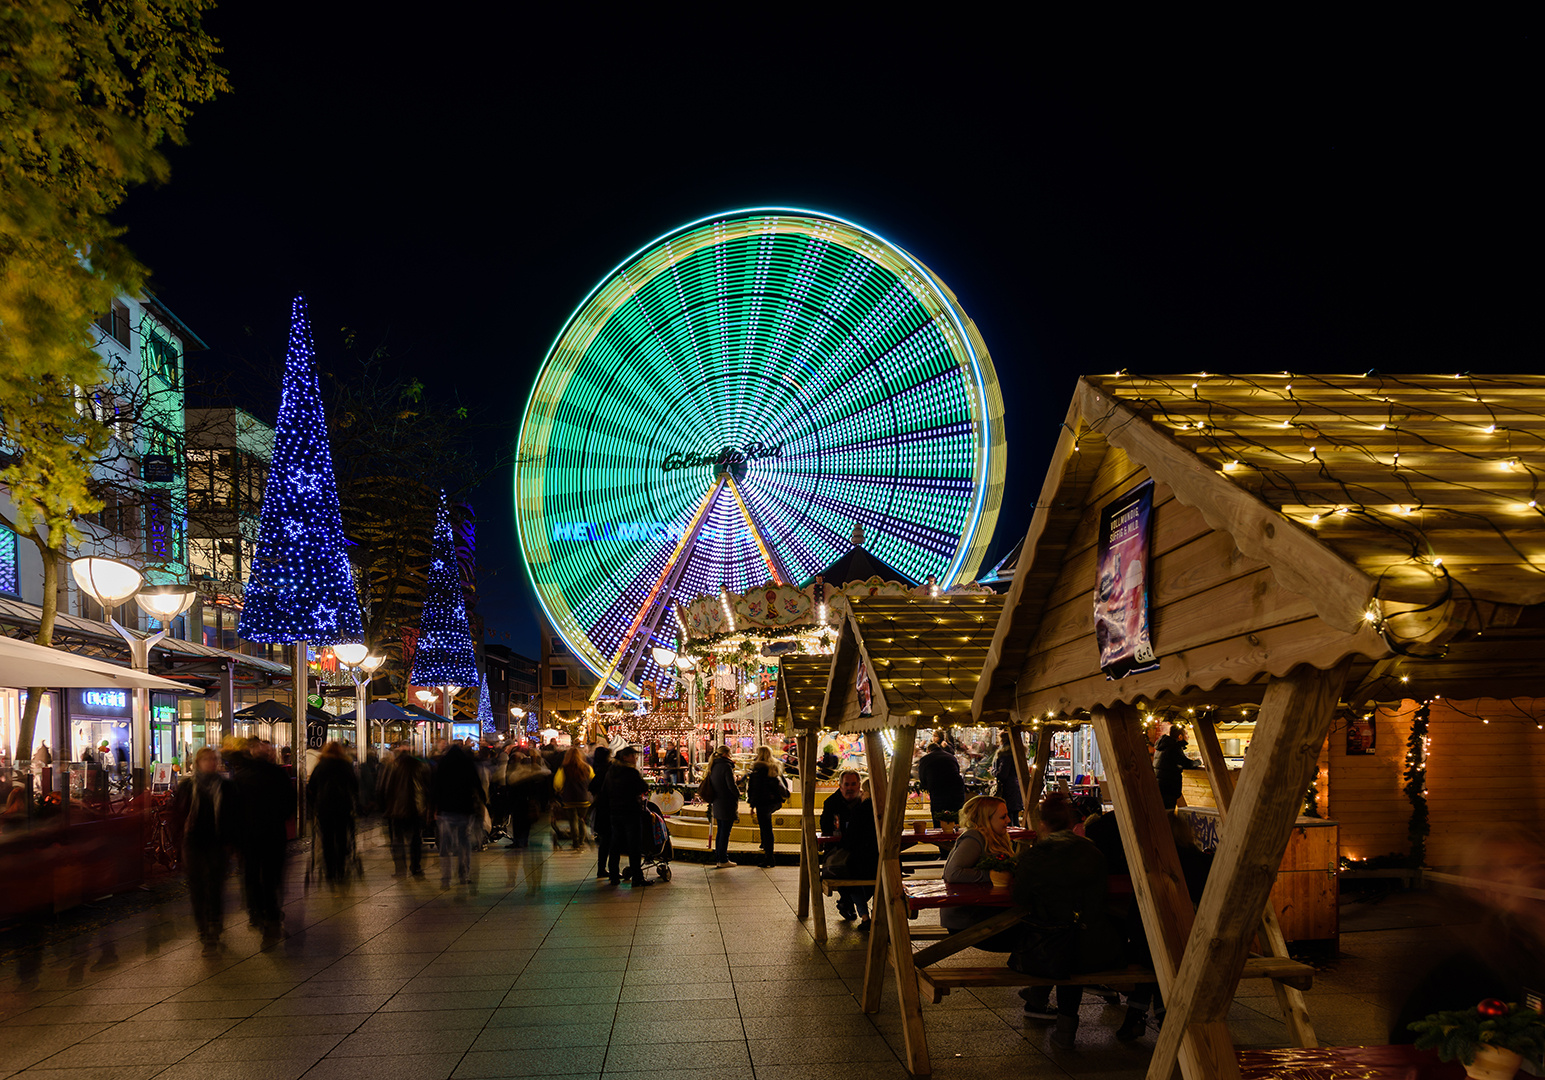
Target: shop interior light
column 107, row 581
column 165, row 602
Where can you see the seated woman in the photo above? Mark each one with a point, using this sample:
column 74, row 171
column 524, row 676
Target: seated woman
column 986, row 818
column 1062, row 880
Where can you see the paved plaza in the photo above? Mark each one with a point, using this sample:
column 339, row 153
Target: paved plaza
column 544, row 972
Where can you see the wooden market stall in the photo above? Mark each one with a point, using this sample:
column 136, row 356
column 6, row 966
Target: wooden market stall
column 903, row 663
column 1309, row 541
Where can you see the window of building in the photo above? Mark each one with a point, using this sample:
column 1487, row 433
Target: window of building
column 560, row 677
column 10, row 573
column 115, row 324
column 119, row 515
column 159, row 354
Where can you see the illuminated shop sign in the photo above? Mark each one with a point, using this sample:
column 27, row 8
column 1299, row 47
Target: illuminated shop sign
column 101, row 702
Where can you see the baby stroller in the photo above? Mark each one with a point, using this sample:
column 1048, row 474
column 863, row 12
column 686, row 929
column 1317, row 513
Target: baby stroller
column 657, row 843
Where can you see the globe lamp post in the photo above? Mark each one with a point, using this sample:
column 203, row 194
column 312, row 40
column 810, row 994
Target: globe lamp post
column 355, row 656
column 110, row 583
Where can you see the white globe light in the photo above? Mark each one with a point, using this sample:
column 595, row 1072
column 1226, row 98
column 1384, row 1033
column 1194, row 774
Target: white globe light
column 685, row 663
column 370, row 664
column 452, row 689
column 351, row 654
column 663, row 657
column 107, row 581
column 165, row 602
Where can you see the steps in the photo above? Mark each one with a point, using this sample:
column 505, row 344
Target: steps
column 690, row 834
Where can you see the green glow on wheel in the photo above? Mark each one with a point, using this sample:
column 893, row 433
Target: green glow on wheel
column 841, row 370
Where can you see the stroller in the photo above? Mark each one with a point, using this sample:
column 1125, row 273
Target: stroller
column 657, row 843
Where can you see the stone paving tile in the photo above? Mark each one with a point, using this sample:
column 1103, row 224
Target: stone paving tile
column 636, row 1057
column 428, row 1066
column 560, row 1061
column 413, row 1039
column 95, row 1072
column 701, row 1029
column 264, row 1048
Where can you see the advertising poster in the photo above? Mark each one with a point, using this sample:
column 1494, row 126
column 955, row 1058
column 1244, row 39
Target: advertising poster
column 1121, row 592
column 1362, row 736
column 865, row 692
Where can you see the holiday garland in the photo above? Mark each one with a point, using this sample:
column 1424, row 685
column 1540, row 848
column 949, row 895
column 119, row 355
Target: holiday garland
column 1416, row 783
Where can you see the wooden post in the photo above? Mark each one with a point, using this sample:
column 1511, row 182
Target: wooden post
column 812, row 848
column 891, row 906
column 806, row 805
column 1158, row 882
column 879, row 931
column 300, row 683
column 1037, row 784
column 1022, row 770
column 1290, row 999
column 1294, row 718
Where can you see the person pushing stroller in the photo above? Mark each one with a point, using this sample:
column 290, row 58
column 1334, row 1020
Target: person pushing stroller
column 626, row 790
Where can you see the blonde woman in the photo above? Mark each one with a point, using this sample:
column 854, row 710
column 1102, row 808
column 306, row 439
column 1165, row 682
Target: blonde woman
column 766, row 794
column 986, row 818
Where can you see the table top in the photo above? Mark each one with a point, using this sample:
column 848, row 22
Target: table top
column 939, row 894
column 909, row 836
column 1347, row 1063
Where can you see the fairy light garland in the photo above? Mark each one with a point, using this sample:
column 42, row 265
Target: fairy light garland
column 1418, row 758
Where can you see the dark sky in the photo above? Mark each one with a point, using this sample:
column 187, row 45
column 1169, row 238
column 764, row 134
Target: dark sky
column 1162, row 197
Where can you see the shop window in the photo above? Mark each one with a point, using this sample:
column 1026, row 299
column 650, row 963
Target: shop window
column 10, row 573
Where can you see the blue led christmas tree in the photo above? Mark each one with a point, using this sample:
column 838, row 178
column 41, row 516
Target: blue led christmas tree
column 301, row 588
column 444, row 653
column 485, row 712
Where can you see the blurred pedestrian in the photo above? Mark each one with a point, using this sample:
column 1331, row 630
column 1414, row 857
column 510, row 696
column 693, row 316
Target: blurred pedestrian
column 601, row 808
column 572, row 784
column 203, row 819
column 626, row 790
column 404, row 797
column 369, row 780
column 938, row 773
column 267, row 804
column 530, row 783
column 332, row 793
column 456, row 794
column 675, row 764
column 725, row 803
column 1005, row 775
column 766, row 792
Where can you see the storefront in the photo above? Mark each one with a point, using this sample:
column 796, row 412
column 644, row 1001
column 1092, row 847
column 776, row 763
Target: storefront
column 12, row 703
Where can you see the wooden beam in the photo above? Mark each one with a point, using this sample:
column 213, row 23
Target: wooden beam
column 891, row 904
column 1022, row 771
column 879, row 931
column 1284, row 752
column 1295, row 1011
column 1157, row 880
column 1037, row 786
column 806, row 808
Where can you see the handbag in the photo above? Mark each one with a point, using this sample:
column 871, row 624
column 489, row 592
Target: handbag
column 1046, row 950
column 705, row 787
column 836, row 864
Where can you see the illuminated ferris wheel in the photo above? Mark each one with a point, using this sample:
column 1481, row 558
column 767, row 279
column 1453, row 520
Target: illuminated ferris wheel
column 726, row 404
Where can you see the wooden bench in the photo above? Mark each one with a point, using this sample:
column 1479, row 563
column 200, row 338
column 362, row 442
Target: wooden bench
column 941, row 980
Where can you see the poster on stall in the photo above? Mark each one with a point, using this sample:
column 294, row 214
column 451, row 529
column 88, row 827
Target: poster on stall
column 865, row 692
column 1362, row 736
column 1121, row 591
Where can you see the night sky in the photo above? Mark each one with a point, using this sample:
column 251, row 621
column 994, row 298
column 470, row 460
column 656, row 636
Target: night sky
column 1159, row 197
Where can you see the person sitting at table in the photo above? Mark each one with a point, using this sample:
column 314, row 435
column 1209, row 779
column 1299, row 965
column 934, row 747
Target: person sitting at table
column 986, row 818
column 854, row 854
column 1062, row 882
column 828, row 763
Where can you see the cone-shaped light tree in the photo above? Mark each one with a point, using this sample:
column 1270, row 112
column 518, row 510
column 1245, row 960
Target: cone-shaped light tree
column 444, row 654
column 485, row 712
column 301, row 588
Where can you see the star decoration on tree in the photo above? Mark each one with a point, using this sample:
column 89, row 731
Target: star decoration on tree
column 305, row 482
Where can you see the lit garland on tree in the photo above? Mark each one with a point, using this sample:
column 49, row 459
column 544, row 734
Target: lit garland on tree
column 301, row 588
column 1418, row 749
column 485, row 713
column 444, row 653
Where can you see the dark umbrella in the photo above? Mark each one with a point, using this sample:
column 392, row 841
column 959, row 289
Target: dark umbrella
column 278, row 710
column 381, row 710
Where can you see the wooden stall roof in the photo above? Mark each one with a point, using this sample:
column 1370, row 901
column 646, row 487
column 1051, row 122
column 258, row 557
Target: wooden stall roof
column 924, row 656
column 802, row 679
column 1404, row 505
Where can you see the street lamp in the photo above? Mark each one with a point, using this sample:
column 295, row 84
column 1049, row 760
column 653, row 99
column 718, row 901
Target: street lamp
column 356, row 657
column 110, row 583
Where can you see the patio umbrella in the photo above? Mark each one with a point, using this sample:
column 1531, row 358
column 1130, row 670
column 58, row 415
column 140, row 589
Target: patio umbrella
column 423, row 714
column 381, row 710
column 278, row 710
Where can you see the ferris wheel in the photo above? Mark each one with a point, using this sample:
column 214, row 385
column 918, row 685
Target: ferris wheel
column 724, row 407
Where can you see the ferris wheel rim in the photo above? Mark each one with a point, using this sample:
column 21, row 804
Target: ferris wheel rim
column 983, row 453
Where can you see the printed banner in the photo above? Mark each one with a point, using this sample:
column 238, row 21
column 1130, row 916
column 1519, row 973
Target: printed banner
column 1121, row 593
column 1362, row 736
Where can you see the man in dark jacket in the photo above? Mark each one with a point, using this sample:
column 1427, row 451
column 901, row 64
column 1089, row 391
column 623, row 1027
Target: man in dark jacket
column 626, row 790
column 725, row 803
column 267, row 803
column 204, row 820
column 456, row 793
column 939, row 774
column 1169, row 761
column 848, row 817
column 403, row 793
column 601, row 763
